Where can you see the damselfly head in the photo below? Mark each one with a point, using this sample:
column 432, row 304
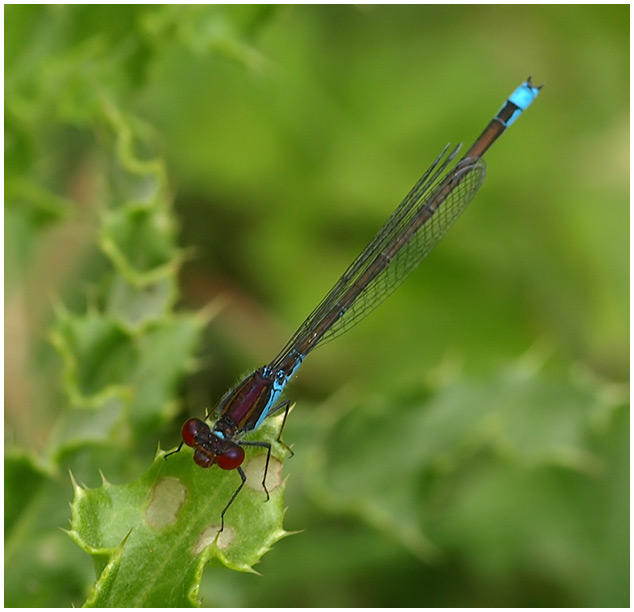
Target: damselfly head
column 210, row 448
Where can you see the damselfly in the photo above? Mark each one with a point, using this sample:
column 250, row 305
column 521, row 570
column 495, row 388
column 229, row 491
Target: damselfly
column 407, row 237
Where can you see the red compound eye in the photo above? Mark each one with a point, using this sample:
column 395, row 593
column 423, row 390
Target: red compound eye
column 231, row 458
column 191, row 431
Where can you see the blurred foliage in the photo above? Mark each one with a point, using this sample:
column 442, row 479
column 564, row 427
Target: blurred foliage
column 480, row 457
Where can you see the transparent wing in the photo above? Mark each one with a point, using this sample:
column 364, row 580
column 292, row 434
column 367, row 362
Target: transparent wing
column 407, row 237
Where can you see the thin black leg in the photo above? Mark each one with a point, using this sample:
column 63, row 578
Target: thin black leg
column 287, row 406
column 174, row 452
column 243, row 476
column 266, row 465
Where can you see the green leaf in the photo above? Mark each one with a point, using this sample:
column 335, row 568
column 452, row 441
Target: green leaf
column 391, row 461
column 41, row 564
column 152, row 538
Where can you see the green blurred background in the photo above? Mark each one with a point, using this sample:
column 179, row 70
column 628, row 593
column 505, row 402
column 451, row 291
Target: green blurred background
column 290, row 134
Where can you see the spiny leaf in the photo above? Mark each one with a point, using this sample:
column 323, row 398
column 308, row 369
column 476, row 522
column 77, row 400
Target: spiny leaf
column 158, row 533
